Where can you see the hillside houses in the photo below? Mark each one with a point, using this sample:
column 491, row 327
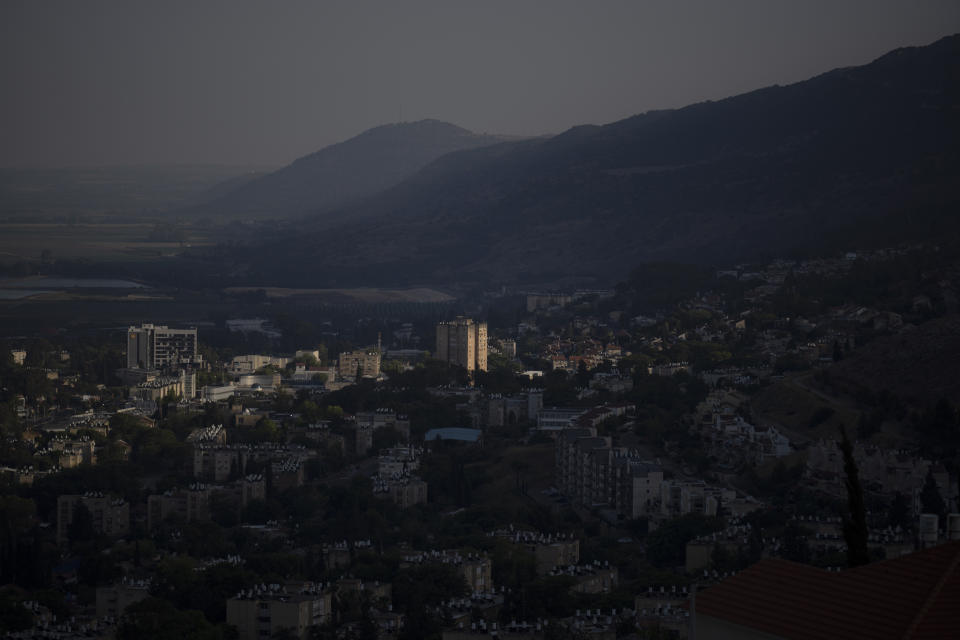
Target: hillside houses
column 884, row 472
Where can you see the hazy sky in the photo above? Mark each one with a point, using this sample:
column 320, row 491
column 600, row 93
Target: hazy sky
column 242, row 82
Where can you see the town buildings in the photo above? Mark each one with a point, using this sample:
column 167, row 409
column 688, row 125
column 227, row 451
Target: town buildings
column 405, row 491
column 592, row 473
column 184, row 505
column 157, row 346
column 250, row 363
column 463, row 342
column 512, row 409
column 364, row 363
column 75, row 452
column 615, row 491
column 887, row 472
column 395, row 478
column 183, row 385
column 383, row 418
column 108, row 516
column 476, row 568
column 264, row 610
column 558, row 418
column 398, row 461
column 549, row 550
column 546, row 300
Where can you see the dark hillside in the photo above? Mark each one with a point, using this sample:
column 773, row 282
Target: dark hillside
column 864, row 155
column 917, row 366
column 342, row 173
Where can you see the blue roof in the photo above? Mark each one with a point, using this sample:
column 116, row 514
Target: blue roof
column 453, row 433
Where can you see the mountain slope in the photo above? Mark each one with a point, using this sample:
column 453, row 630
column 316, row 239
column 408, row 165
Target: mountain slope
column 914, row 365
column 856, row 155
column 342, row 173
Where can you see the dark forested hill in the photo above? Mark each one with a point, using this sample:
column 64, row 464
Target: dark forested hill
column 342, row 173
column 855, row 156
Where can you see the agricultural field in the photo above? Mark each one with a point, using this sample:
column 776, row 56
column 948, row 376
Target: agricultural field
column 355, row 295
column 101, row 242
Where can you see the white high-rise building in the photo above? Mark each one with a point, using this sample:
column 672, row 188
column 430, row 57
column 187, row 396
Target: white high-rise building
column 156, row 347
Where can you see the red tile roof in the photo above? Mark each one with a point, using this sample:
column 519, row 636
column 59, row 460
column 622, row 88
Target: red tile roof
column 915, row 596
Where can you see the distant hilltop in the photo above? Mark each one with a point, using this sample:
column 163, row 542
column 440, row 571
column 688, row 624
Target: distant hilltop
column 343, row 173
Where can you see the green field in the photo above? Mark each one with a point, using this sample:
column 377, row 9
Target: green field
column 359, row 295
column 101, row 242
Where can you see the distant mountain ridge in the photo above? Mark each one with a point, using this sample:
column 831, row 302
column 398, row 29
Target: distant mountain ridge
column 342, row 173
column 856, row 155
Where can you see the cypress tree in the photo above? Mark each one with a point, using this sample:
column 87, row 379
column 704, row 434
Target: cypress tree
column 855, row 524
column 930, row 499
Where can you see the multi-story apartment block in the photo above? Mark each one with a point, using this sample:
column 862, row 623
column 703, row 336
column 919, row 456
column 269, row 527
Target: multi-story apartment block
column 110, row 516
column 164, row 386
column 476, row 568
column 549, row 550
column 192, row 504
column 398, row 461
column 580, row 460
column 366, row 363
column 891, row 471
column 463, row 342
column 508, row 410
column 566, row 470
column 252, row 362
column 591, row 473
column 188, row 378
column 265, row 610
column 478, row 572
column 155, row 347
column 638, row 487
column 214, row 434
column 73, row 453
column 384, row 417
column 405, row 491
column 558, row 418
column 680, row 498
column 218, row 463
column 363, row 438
column 252, row 487
column 248, row 363
column 287, row 473
column 546, row 300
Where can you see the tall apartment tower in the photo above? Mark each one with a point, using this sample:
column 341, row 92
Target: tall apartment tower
column 463, row 342
column 156, row 347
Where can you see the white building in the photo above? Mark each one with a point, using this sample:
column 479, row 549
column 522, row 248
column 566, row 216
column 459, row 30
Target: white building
column 155, row 346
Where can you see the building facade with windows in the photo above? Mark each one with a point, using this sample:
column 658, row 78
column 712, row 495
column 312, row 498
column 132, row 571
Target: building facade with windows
column 109, row 516
column 366, row 363
column 463, row 342
column 155, row 347
column 265, row 610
